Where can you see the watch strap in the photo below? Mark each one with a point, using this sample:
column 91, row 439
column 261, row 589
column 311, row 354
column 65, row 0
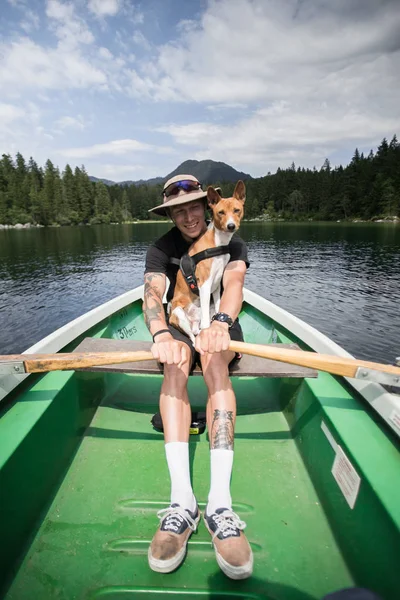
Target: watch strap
column 223, row 318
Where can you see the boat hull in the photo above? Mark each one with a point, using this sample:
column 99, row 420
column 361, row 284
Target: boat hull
column 82, row 475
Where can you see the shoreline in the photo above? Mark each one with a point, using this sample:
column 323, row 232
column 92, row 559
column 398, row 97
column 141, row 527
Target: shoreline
column 386, row 221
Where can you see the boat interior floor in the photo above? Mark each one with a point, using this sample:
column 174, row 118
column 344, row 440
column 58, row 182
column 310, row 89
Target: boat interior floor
column 93, row 538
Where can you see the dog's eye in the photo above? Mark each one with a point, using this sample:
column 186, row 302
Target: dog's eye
column 221, row 213
column 236, row 210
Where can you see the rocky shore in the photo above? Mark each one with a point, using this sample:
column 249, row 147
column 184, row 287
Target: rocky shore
column 20, row 226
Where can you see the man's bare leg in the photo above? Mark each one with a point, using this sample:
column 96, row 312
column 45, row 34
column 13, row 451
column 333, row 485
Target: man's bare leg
column 221, row 416
column 232, row 550
column 168, row 547
column 176, row 416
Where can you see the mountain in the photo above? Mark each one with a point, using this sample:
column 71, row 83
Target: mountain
column 206, row 171
column 209, row 171
column 106, row 181
column 153, row 181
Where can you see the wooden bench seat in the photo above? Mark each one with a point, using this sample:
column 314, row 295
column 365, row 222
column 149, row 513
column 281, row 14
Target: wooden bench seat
column 248, row 366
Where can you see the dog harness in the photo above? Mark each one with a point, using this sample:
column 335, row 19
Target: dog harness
column 187, row 264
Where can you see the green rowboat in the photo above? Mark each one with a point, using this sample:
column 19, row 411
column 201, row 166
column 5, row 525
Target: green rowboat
column 82, row 473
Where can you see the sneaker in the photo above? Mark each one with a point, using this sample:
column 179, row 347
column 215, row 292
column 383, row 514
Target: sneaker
column 168, row 547
column 233, row 552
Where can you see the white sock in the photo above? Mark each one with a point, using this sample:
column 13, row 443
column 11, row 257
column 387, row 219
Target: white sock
column 178, row 464
column 221, row 470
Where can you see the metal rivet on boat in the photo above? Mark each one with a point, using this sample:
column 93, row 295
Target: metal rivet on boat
column 364, row 373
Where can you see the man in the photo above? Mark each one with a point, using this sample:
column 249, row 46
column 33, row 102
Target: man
column 185, row 203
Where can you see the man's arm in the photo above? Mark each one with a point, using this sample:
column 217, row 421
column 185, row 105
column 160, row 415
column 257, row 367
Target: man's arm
column 164, row 349
column 233, row 282
column 216, row 338
column 153, row 310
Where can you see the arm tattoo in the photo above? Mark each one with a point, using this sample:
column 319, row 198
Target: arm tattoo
column 222, row 430
column 152, row 304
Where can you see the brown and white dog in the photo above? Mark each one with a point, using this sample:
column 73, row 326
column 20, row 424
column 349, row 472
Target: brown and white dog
column 191, row 313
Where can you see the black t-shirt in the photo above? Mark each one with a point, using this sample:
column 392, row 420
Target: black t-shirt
column 173, row 245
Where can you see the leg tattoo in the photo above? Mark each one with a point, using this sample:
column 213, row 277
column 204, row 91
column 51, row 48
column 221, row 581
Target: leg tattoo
column 222, row 430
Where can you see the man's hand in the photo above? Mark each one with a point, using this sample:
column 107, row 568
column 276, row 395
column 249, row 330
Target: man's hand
column 167, row 350
column 214, row 339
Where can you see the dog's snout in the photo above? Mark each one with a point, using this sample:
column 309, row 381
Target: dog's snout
column 231, row 227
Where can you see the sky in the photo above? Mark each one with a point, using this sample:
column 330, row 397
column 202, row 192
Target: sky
column 132, row 89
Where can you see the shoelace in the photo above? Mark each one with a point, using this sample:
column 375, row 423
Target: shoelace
column 174, row 517
column 227, row 523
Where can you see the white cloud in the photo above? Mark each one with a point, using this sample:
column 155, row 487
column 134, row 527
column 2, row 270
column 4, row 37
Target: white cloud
column 21, row 4
column 30, row 22
column 315, row 76
column 113, row 148
column 279, row 135
column 59, row 10
column 70, row 29
column 105, row 53
column 193, row 134
column 111, row 170
column 139, row 39
column 68, row 122
column 227, row 106
column 20, row 124
column 279, row 51
column 9, row 112
column 104, row 8
column 25, row 64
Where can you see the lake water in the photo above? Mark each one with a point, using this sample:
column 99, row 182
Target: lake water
column 344, row 279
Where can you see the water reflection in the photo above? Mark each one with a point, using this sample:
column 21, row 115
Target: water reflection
column 342, row 278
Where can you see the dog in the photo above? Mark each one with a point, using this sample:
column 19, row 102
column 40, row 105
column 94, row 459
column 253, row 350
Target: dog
column 191, row 313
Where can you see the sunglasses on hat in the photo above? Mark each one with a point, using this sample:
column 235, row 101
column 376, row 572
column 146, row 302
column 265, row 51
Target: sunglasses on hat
column 186, row 185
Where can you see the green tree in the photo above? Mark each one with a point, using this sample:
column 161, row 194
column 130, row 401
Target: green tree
column 47, row 197
column 126, row 214
column 84, row 191
column 116, row 215
column 389, row 198
column 21, row 201
column 102, row 203
column 3, row 207
column 7, row 185
column 70, row 195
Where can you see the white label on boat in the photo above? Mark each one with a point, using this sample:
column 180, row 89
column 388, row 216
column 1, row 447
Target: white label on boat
column 329, row 436
column 346, row 476
column 395, row 418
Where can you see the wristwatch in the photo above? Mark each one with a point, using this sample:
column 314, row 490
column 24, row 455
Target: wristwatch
column 223, row 318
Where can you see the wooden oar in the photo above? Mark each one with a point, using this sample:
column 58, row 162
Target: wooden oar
column 41, row 363
column 336, row 365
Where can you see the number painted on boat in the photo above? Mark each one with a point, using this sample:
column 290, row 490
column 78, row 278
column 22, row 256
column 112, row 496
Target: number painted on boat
column 125, row 333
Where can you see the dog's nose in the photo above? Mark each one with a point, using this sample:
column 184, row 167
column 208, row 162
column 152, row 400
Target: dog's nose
column 231, row 227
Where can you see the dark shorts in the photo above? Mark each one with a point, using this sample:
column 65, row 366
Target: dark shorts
column 235, row 332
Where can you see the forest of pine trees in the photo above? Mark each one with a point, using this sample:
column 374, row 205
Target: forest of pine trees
column 368, row 188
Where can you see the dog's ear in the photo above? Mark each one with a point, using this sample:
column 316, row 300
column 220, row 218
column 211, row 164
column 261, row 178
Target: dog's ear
column 212, row 196
column 240, row 191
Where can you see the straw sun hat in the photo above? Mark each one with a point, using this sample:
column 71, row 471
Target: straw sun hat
column 179, row 190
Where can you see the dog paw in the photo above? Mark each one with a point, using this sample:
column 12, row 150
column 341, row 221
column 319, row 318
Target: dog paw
column 195, row 328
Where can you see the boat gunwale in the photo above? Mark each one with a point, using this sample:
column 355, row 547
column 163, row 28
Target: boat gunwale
column 66, row 334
